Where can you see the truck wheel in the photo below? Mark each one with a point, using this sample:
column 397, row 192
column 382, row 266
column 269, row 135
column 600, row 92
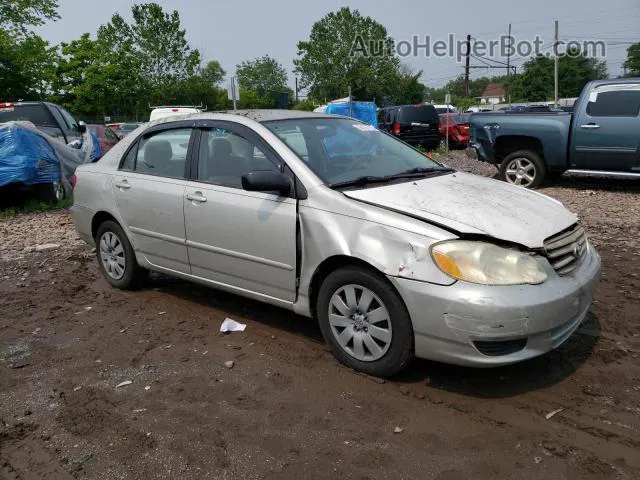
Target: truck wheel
column 523, row 168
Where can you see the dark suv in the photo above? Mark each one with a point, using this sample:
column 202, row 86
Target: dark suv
column 414, row 124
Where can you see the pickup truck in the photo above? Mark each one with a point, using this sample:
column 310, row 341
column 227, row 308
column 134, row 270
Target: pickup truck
column 31, row 162
column 48, row 117
column 601, row 136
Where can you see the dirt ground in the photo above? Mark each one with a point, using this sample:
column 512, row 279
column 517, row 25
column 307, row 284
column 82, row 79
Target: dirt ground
column 287, row 409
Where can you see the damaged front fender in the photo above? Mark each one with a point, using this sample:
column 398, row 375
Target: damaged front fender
column 389, row 249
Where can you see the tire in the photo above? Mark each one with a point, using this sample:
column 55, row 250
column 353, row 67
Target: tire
column 116, row 257
column 52, row 192
column 349, row 333
column 523, row 168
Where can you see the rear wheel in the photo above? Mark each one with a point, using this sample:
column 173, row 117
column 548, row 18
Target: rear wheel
column 523, row 168
column 52, row 192
column 116, row 257
column 365, row 322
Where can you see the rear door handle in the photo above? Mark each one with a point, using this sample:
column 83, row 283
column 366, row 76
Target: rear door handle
column 590, row 126
column 196, row 197
column 124, row 185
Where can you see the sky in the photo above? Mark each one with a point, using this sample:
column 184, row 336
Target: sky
column 233, row 31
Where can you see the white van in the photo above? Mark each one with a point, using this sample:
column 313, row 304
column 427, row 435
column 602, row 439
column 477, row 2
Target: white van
column 169, row 111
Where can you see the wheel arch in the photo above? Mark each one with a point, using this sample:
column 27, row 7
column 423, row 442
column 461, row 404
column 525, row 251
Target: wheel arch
column 99, row 218
column 330, row 265
column 507, row 144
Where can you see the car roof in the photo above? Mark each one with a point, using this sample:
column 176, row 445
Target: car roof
column 255, row 115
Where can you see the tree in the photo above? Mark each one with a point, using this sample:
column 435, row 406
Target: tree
column 27, row 67
column 212, row 72
column 17, row 15
column 407, row 88
column 263, row 73
column 337, row 56
column 632, row 63
column 574, row 71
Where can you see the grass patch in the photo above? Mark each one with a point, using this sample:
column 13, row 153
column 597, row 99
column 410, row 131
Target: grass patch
column 34, row 205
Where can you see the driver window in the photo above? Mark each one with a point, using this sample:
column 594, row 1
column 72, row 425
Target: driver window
column 225, row 156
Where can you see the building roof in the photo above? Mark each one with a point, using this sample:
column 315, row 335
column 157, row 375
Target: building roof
column 494, row 90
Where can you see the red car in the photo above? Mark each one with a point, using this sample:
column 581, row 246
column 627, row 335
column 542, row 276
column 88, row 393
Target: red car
column 458, row 125
column 105, row 135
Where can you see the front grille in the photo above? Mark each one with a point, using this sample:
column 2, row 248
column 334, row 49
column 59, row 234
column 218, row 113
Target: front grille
column 566, row 249
column 497, row 348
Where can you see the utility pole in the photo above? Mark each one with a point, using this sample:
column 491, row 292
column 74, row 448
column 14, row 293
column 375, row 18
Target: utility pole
column 296, row 89
column 466, row 67
column 555, row 66
column 508, row 69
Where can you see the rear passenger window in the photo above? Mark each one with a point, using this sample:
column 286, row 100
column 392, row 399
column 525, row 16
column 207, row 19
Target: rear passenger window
column 615, row 103
column 164, row 154
column 225, row 156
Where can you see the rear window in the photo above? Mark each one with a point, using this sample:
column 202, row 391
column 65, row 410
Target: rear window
column 36, row 114
column 418, row 113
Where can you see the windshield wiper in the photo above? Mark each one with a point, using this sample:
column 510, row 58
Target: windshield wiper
column 411, row 173
column 360, row 181
column 419, row 172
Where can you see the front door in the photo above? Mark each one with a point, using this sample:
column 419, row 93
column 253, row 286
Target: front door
column 607, row 133
column 243, row 240
column 149, row 189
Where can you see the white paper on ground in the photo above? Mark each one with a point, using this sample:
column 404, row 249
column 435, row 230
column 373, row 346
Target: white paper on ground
column 232, row 326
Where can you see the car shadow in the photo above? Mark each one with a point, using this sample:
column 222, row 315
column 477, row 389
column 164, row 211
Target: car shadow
column 594, row 183
column 530, row 375
column 537, row 373
column 237, row 306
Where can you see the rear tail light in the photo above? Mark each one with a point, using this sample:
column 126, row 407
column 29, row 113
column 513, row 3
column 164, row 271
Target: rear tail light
column 74, row 181
column 396, row 128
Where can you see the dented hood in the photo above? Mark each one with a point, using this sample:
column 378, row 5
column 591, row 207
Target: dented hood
column 469, row 203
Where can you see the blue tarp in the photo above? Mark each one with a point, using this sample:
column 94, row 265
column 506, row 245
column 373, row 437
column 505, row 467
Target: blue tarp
column 29, row 156
column 363, row 111
column 26, row 157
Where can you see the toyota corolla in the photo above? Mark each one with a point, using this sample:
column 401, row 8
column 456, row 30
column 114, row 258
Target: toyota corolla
column 394, row 254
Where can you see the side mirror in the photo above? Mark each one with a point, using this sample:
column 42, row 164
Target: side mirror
column 266, row 181
column 82, row 127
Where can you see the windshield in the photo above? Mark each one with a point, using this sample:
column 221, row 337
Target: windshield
column 341, row 150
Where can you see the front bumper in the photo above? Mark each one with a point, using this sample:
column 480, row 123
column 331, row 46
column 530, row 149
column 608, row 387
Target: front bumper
column 449, row 320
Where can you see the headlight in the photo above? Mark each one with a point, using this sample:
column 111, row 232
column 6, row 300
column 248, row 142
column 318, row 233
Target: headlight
column 485, row 263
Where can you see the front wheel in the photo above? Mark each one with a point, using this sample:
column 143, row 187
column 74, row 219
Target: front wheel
column 523, row 168
column 116, row 257
column 365, row 322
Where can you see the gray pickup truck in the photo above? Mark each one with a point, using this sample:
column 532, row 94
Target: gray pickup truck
column 601, row 136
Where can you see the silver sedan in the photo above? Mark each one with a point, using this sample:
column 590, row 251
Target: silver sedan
column 394, row 254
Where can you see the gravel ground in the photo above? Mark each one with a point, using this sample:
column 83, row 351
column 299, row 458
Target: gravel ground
column 286, row 408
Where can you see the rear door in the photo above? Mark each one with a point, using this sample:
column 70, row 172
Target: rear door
column 149, row 190
column 243, row 240
column 606, row 134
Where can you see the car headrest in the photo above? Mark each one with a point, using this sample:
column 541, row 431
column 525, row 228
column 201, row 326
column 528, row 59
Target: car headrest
column 158, row 152
column 221, row 147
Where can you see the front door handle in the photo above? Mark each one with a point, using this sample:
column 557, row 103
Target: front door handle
column 590, row 126
column 124, row 185
column 196, row 197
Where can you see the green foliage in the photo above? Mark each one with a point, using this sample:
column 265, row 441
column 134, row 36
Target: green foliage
column 305, row 105
column 536, row 82
column 34, row 205
column 263, row 73
column 27, row 67
column 212, row 72
column 16, row 16
column 407, row 88
column 463, row 104
column 632, row 63
column 328, row 64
